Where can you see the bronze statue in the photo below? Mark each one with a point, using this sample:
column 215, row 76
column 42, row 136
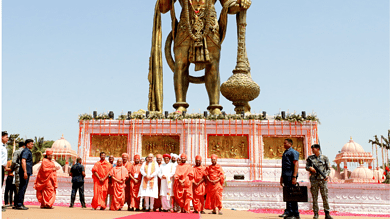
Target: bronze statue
column 197, row 39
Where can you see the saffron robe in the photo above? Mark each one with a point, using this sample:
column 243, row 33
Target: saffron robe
column 127, row 165
column 214, row 191
column 135, row 172
column 183, row 194
column 151, row 189
column 120, row 173
column 46, row 183
column 200, row 190
column 102, row 168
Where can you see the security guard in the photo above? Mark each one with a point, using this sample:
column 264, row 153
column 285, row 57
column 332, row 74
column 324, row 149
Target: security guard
column 290, row 166
column 318, row 181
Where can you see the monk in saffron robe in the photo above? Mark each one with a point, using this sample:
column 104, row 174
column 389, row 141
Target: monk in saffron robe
column 135, row 182
column 199, row 187
column 119, row 174
column 127, row 165
column 214, row 189
column 100, row 172
column 46, row 181
column 157, row 201
column 183, row 184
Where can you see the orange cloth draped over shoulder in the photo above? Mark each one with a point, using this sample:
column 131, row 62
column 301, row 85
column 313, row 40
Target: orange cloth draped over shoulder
column 118, row 200
column 183, row 193
column 135, row 172
column 46, row 183
column 214, row 191
column 102, row 168
column 200, row 190
column 127, row 165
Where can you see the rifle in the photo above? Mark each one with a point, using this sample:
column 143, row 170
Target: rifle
column 318, row 169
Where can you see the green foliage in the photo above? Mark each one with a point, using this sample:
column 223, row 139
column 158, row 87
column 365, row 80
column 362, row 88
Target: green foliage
column 10, row 144
column 177, row 115
column 62, row 161
column 39, row 148
column 85, row 116
column 335, row 167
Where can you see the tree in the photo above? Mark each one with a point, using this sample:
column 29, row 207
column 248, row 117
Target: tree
column 62, row 161
column 10, row 144
column 39, row 148
column 375, row 142
column 335, row 167
column 386, row 146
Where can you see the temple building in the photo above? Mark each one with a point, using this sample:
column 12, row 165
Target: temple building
column 353, row 152
column 61, row 150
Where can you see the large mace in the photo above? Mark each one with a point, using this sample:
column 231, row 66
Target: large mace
column 240, row 88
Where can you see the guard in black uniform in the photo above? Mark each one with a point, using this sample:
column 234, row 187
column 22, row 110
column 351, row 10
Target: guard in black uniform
column 77, row 172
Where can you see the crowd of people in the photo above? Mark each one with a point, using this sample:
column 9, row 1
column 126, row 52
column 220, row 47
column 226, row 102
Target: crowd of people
column 165, row 183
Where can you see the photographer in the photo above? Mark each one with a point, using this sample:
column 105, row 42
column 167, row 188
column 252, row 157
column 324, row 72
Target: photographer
column 319, row 168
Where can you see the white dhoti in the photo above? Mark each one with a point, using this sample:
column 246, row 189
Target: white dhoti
column 151, row 191
column 167, row 170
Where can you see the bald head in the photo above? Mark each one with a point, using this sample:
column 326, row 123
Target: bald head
column 125, row 157
column 119, row 162
column 111, row 159
column 159, row 158
column 149, row 158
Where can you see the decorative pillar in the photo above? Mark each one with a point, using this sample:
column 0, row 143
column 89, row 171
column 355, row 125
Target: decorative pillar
column 66, row 168
column 345, row 170
column 370, row 165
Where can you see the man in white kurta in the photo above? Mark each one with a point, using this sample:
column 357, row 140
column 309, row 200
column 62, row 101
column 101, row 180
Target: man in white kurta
column 167, row 170
column 149, row 184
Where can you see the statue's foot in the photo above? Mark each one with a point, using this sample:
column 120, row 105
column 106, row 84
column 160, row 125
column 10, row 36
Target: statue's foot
column 181, row 106
column 215, row 111
column 181, row 109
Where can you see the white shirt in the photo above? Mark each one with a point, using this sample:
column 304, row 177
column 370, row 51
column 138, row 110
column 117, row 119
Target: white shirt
column 167, row 170
column 150, row 192
column 4, row 155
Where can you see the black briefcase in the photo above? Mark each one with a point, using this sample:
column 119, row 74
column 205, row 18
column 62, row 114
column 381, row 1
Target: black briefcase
column 295, row 193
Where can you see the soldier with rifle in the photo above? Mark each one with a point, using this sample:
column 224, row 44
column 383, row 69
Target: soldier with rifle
column 319, row 168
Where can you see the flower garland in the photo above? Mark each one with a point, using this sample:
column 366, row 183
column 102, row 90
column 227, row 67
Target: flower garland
column 177, row 115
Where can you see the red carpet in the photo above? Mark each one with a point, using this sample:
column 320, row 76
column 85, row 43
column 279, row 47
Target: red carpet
column 310, row 212
column 162, row 215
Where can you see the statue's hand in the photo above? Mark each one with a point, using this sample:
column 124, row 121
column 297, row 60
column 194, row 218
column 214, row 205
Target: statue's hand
column 245, row 4
column 233, row 3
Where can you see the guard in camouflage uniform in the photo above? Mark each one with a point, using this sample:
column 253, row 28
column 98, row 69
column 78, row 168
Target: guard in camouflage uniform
column 317, row 180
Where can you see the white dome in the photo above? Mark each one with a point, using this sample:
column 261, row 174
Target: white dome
column 362, row 172
column 61, row 144
column 38, row 165
column 352, row 147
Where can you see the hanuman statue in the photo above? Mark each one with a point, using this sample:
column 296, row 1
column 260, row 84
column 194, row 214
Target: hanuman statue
column 197, row 38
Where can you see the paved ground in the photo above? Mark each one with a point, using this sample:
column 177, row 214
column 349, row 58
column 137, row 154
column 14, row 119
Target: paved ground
column 78, row 213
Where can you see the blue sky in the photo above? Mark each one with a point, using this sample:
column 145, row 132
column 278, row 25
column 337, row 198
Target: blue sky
column 65, row 58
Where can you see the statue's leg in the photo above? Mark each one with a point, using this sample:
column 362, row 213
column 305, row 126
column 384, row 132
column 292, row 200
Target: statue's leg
column 181, row 76
column 212, row 79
